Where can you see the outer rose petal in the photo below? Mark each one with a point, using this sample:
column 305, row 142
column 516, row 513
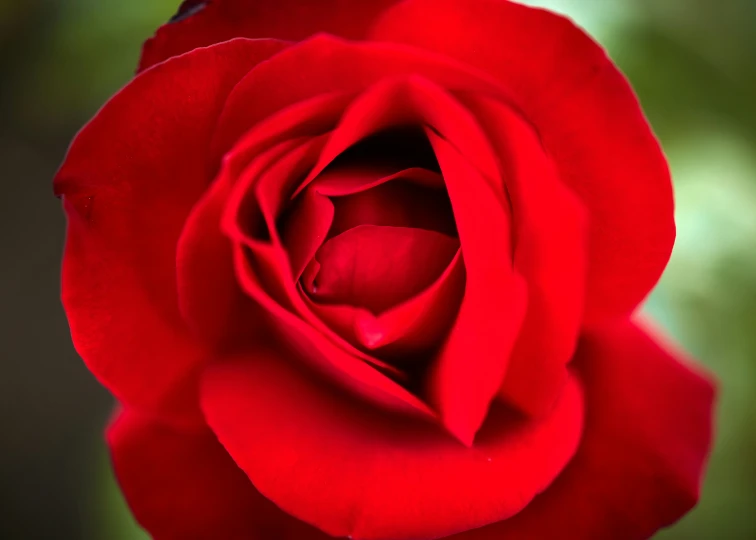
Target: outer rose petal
column 550, row 253
column 331, row 65
column 129, row 182
column 210, row 299
column 639, row 465
column 182, row 485
column 589, row 121
column 352, row 469
column 202, row 23
column 470, row 366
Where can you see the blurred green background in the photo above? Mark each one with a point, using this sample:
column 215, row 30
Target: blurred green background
column 693, row 63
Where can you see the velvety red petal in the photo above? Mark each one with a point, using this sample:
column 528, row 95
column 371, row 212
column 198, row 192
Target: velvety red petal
column 262, row 192
column 588, row 118
column 378, row 267
column 407, row 101
column 202, row 23
column 352, row 370
column 351, row 469
column 246, row 125
column 412, row 197
column 421, row 322
column 647, row 436
column 184, row 485
column 472, row 362
column 551, row 253
column 211, row 300
column 251, row 215
column 129, row 182
column 306, row 229
column 219, row 312
column 407, row 331
column 345, row 181
column 330, row 66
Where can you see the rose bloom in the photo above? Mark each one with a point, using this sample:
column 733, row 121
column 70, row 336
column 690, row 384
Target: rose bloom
column 368, row 269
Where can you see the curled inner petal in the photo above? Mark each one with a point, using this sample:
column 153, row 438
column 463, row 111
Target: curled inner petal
column 377, row 267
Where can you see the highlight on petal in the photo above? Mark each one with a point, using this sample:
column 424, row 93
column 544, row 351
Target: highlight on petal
column 183, row 484
column 351, row 469
column 647, row 437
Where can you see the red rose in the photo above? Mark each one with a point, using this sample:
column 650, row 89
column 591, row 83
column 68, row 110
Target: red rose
column 367, row 268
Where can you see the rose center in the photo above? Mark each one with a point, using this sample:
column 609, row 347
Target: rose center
column 393, row 231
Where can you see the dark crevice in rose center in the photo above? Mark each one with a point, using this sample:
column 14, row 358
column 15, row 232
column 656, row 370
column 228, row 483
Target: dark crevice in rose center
column 398, row 148
column 397, row 203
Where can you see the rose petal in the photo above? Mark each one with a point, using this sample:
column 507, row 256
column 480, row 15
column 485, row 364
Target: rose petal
column 352, row 371
column 406, row 101
column 202, row 23
column 332, row 66
column 262, row 191
column 183, row 484
column 354, row 470
column 551, row 253
column 310, row 221
column 305, row 230
column 242, row 131
column 345, row 181
column 409, row 330
column 588, row 118
column 403, row 199
column 472, row 362
column 419, row 323
column 211, row 302
column 259, row 196
column 647, row 438
column 129, row 182
column 378, row 267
